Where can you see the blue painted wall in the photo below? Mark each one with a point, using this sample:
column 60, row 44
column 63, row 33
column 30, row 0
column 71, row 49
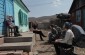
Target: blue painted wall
column 6, row 9
column 9, row 7
column 2, row 13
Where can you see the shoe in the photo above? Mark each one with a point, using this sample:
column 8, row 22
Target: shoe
column 15, row 36
column 42, row 40
column 18, row 34
column 44, row 36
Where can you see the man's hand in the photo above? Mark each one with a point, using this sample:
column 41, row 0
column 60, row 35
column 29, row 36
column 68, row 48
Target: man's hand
column 57, row 40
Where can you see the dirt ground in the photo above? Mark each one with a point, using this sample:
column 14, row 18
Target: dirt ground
column 43, row 48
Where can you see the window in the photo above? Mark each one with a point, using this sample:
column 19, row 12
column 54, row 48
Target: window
column 78, row 15
column 26, row 20
column 22, row 18
column 83, row 17
column 20, row 14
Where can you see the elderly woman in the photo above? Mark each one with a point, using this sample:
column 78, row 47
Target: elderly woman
column 10, row 24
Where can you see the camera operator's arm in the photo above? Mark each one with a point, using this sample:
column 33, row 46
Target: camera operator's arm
column 68, row 38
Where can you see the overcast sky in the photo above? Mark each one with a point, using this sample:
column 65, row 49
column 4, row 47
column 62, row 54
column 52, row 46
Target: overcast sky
column 40, row 8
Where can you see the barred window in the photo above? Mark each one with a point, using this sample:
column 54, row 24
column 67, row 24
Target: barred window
column 78, row 15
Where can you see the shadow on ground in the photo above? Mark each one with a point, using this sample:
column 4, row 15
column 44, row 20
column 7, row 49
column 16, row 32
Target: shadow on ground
column 45, row 43
column 80, row 44
column 44, row 51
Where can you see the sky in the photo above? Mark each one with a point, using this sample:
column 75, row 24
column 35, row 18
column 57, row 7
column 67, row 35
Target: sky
column 40, row 8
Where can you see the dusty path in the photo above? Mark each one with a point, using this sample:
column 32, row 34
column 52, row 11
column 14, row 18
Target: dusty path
column 43, row 48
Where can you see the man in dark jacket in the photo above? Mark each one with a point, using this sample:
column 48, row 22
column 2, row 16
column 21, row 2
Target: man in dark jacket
column 53, row 34
column 36, row 31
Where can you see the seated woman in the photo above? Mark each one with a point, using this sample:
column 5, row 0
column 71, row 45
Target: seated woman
column 10, row 24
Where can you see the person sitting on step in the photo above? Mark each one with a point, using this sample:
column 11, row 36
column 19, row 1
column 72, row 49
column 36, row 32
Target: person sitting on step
column 10, row 24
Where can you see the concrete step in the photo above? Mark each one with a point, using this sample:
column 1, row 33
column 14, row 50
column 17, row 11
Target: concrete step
column 17, row 39
column 1, row 40
column 19, row 52
column 30, row 53
column 25, row 46
column 29, row 34
column 27, row 37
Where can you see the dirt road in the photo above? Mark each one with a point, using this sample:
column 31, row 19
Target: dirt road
column 43, row 48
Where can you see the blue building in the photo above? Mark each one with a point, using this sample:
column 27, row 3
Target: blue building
column 6, row 9
column 21, row 15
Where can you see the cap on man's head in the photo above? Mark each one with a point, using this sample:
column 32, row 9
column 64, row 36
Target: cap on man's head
column 67, row 24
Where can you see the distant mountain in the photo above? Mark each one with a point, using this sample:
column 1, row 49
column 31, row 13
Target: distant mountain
column 43, row 19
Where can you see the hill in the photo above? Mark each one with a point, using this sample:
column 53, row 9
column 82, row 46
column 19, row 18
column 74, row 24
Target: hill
column 43, row 18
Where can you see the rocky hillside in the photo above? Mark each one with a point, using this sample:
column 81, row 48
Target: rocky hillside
column 43, row 19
